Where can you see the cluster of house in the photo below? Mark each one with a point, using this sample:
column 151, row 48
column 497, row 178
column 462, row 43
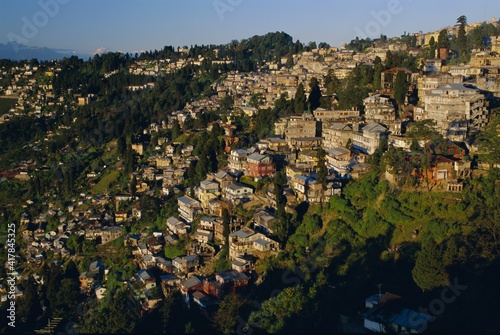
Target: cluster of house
column 273, row 79
column 349, row 140
column 31, row 85
column 85, row 218
column 149, row 286
column 187, row 272
column 159, row 276
column 155, row 67
column 457, row 98
column 206, row 208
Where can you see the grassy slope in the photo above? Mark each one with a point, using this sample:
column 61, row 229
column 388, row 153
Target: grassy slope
column 105, row 181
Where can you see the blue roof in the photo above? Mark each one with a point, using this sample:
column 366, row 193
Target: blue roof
column 144, row 274
column 405, row 317
column 411, row 319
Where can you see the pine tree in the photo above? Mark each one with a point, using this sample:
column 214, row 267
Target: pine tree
column 191, row 174
column 121, row 146
column 322, row 172
column 129, row 160
column 176, row 130
column 400, row 87
column 300, row 100
column 432, row 48
column 202, row 167
column 377, row 75
column 289, row 61
column 443, row 41
column 462, row 37
column 281, row 227
column 332, row 83
column 315, row 95
column 428, row 272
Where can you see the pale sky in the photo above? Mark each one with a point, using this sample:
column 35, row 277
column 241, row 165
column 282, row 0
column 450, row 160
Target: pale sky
column 135, row 25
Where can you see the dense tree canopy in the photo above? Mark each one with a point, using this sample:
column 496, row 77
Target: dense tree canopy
column 314, row 99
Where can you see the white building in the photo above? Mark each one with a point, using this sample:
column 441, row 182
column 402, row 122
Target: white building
column 188, row 208
column 368, row 140
column 233, row 192
column 453, row 103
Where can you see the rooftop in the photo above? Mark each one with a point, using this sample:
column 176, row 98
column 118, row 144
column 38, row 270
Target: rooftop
column 337, row 151
column 256, row 157
column 191, row 282
column 243, row 233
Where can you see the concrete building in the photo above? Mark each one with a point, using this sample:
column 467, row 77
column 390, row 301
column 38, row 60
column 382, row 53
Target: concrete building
column 324, row 115
column 259, row 165
column 426, row 84
column 207, row 191
column 450, row 104
column 368, row 140
column 336, row 135
column 189, row 208
column 237, row 160
column 302, row 126
column 237, row 192
column 338, row 159
column 379, row 108
column 247, row 241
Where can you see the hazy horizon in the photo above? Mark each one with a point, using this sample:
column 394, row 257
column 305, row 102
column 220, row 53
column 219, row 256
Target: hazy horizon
column 133, row 26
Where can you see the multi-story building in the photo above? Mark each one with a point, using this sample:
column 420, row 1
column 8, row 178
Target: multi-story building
column 336, row 135
column 189, row 208
column 301, row 126
column 176, row 226
column 368, row 140
column 207, row 191
column 308, row 189
column 324, row 115
column 277, row 144
column 338, row 159
column 207, row 222
column 433, row 65
column 259, row 165
column 428, row 83
column 186, row 264
column 246, row 241
column 280, row 127
column 452, row 103
column 222, row 178
column 234, row 192
column 237, row 160
column 264, row 220
column 305, row 143
column 495, row 44
column 400, row 141
column 379, row 108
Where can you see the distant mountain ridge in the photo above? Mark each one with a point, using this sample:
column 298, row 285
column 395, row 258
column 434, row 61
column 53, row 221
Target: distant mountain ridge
column 15, row 51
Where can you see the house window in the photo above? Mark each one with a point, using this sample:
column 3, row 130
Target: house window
column 442, row 174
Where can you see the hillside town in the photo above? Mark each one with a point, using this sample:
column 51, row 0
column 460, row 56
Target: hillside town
column 213, row 235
